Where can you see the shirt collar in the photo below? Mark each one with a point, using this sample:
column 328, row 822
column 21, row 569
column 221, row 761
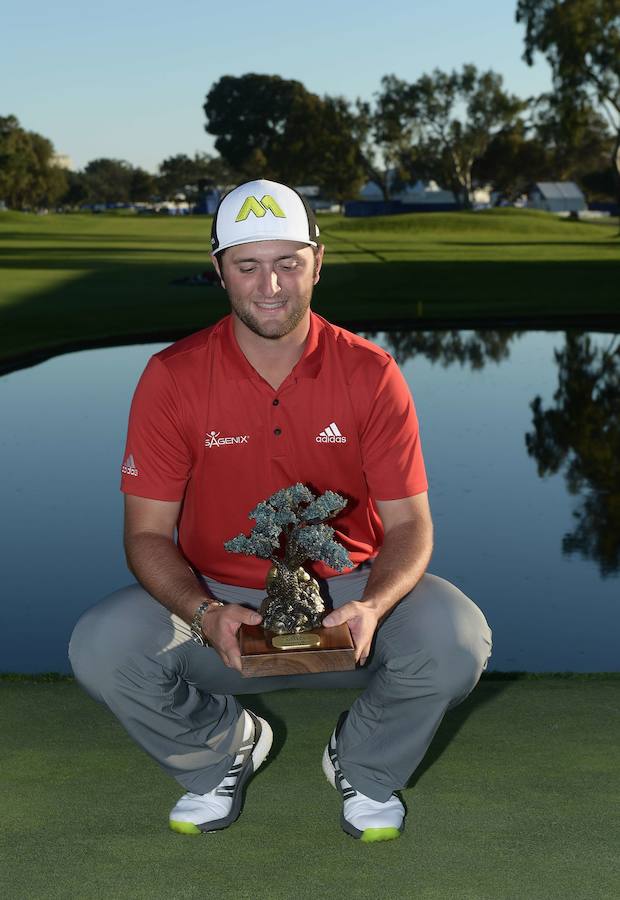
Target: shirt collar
column 236, row 366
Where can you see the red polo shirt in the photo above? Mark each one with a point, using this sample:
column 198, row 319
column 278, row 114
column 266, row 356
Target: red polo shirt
column 207, row 429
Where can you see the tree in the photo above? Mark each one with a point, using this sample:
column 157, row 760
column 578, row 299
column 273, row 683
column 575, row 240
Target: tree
column 581, row 41
column 512, row 161
column 449, row 347
column 219, row 174
column 28, row 176
column 271, row 127
column 48, row 181
column 599, row 184
column 142, row 185
column 384, row 139
column 249, row 114
column 108, row 180
column 562, row 140
column 182, row 173
column 451, row 119
column 77, row 190
column 574, row 134
column 580, row 434
column 325, row 146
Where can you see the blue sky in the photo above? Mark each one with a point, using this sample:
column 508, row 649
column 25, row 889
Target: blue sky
column 128, row 79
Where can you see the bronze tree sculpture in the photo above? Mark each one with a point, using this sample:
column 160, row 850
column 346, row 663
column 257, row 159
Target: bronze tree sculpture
column 290, row 529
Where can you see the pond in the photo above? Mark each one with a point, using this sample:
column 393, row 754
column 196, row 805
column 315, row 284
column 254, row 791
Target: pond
column 524, row 491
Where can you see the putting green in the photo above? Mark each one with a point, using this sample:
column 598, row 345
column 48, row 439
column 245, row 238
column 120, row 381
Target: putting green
column 515, row 801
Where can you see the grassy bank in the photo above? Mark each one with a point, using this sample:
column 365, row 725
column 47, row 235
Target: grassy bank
column 514, row 802
column 85, row 278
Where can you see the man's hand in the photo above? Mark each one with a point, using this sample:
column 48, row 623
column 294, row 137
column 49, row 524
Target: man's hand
column 220, row 627
column 362, row 620
column 398, row 567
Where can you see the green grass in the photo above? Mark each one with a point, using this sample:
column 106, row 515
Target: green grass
column 80, row 279
column 515, row 801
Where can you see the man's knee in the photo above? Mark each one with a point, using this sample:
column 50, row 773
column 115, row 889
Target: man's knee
column 447, row 672
column 105, row 639
column 457, row 673
column 446, row 637
column 84, row 656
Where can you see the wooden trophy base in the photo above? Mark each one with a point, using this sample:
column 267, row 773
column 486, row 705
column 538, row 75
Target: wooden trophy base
column 333, row 653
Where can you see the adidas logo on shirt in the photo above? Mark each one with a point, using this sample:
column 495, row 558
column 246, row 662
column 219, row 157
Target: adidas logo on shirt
column 331, row 435
column 129, row 466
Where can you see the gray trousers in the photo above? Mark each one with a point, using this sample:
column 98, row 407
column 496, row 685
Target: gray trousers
column 177, row 699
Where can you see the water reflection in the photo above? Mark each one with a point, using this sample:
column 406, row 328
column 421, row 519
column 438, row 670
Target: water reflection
column 580, row 435
column 472, row 348
column 498, row 524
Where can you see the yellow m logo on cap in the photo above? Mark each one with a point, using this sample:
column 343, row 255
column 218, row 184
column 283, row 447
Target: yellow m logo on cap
column 259, row 208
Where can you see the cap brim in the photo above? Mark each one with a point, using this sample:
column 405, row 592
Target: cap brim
column 261, row 237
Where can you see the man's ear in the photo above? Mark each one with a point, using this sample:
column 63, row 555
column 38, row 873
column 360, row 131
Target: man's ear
column 318, row 262
column 218, row 269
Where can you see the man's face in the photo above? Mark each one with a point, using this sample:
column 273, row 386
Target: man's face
column 269, row 284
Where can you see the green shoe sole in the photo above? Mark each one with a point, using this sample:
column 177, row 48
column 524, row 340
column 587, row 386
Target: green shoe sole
column 371, row 835
column 184, row 827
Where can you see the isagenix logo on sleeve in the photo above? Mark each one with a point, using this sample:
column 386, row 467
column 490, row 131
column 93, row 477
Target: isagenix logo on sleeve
column 213, row 439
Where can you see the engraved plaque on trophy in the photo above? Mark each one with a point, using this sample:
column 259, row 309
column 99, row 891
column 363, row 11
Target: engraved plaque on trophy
column 290, row 528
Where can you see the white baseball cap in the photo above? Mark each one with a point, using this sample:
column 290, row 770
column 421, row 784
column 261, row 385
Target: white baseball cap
column 263, row 211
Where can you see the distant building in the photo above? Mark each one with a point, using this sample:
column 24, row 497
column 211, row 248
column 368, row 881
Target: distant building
column 62, row 161
column 556, row 196
column 419, row 197
column 419, row 193
column 177, row 207
column 483, row 197
column 424, row 192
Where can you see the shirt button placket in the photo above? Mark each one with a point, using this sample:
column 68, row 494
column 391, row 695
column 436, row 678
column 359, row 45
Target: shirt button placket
column 277, row 431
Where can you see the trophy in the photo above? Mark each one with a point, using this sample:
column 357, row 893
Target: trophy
column 290, row 528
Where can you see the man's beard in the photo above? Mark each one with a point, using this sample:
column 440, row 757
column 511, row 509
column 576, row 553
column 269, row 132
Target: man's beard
column 277, row 330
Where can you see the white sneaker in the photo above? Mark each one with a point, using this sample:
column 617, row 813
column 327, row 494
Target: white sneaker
column 197, row 813
column 362, row 817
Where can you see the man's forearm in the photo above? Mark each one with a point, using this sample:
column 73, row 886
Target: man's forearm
column 399, row 565
column 160, row 568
